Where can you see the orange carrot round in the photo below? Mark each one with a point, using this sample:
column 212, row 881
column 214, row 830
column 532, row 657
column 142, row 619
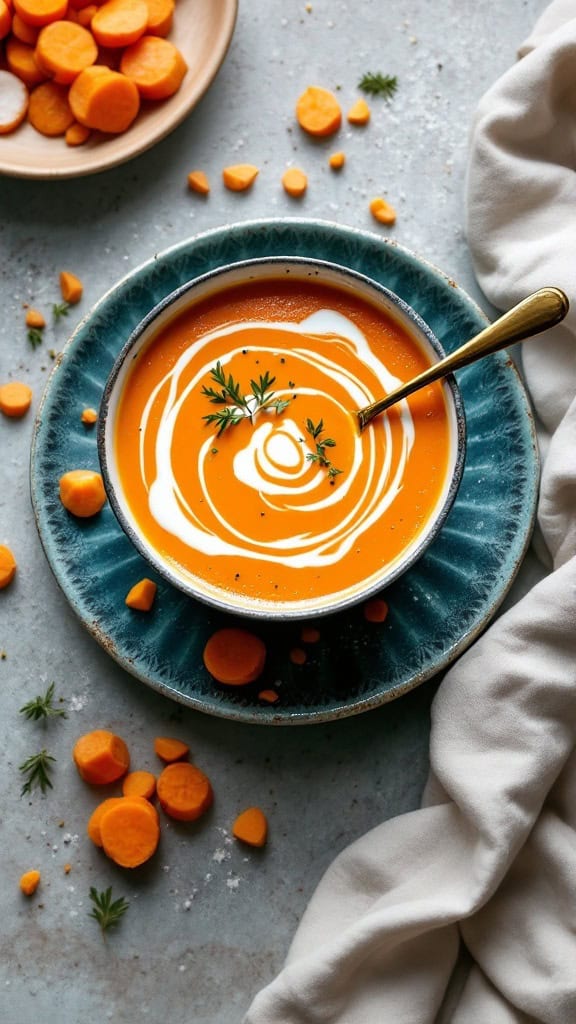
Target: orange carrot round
column 139, row 783
column 130, row 832
column 294, row 182
column 82, row 492
column 251, row 827
column 22, row 62
column 170, row 750
column 298, row 656
column 234, row 656
column 8, row 566
column 318, row 111
column 120, row 22
column 103, row 99
column 24, row 32
column 5, row 19
column 77, row 134
column 29, row 882
column 382, row 211
column 64, row 49
column 376, row 610
column 15, row 399
column 155, row 66
column 49, row 112
column 160, row 16
column 93, row 826
column 13, row 102
column 184, row 792
column 40, row 12
column 101, row 757
column 89, row 416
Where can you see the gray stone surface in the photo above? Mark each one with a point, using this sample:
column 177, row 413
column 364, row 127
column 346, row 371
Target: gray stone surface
column 210, row 923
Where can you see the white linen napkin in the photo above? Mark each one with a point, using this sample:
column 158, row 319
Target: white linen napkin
column 465, row 910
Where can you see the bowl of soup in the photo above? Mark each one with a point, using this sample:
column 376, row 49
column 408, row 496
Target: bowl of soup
column 230, row 445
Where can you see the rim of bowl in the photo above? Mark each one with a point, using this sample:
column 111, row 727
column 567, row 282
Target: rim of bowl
column 279, row 611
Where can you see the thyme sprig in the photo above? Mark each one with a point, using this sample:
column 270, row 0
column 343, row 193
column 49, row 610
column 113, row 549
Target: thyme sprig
column 106, row 911
column 37, row 769
column 35, row 336
column 319, row 456
column 374, row 83
column 60, row 309
column 236, row 405
column 42, row 707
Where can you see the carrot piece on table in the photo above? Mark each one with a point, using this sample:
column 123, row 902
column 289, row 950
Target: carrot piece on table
column 309, row 635
column 318, row 111
column 48, row 111
column 155, row 66
column 82, row 492
column 15, row 399
column 298, row 656
column 64, row 49
column 269, row 696
column 101, row 757
column 251, row 827
column 13, row 102
column 34, row 318
column 23, row 31
column 40, row 12
column 71, row 287
column 103, row 99
column 5, row 19
column 382, row 211
column 294, row 182
column 29, row 882
column 239, row 177
column 89, row 417
column 337, row 161
column 22, row 62
column 359, row 113
column 139, row 783
column 141, row 595
column 160, row 16
column 184, row 792
column 170, row 750
column 93, row 826
column 234, row 656
column 375, row 610
column 198, row 182
column 8, row 566
column 130, row 832
column 120, row 22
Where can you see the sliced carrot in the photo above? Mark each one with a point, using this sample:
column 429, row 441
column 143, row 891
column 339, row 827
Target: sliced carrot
column 5, row 19
column 76, row 135
column 64, row 49
column 93, row 826
column 89, row 417
column 375, row 610
column 155, row 66
column 198, row 182
column 170, row 750
column 359, row 113
column 160, row 17
column 8, row 566
column 49, row 111
column 13, row 102
column 141, row 595
column 101, row 757
column 34, row 318
column 184, row 792
column 251, row 827
column 40, row 12
column 234, row 656
column 22, row 62
column 318, row 111
column 294, row 182
column 120, row 22
column 239, row 177
column 85, row 14
column 139, row 783
column 130, row 832
column 103, row 99
column 29, row 882
column 24, row 32
column 382, row 211
column 82, row 492
column 269, row 696
column 71, row 287
column 15, row 398
column 337, row 161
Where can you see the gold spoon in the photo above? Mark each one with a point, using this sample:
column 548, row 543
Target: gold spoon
column 539, row 311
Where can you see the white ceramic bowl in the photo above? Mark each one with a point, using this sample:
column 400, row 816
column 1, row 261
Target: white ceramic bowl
column 272, row 269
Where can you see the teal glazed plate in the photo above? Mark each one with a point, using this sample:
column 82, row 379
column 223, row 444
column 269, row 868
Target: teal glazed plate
column 436, row 609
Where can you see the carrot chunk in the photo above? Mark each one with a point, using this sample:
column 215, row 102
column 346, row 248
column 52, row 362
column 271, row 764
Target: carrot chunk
column 160, row 16
column 8, row 566
column 170, row 750
column 130, row 832
column 359, row 113
column 318, row 111
column 22, row 62
column 101, row 757
column 141, row 595
column 337, row 161
column 49, row 112
column 24, row 32
column 93, row 826
column 120, row 22
column 29, row 882
column 85, row 14
column 184, row 792
column 139, row 783
column 5, row 19
column 382, row 211
column 155, row 66
column 71, row 287
column 294, row 182
column 198, row 182
column 89, row 417
column 40, row 12
column 64, row 49
column 82, row 492
column 298, row 656
column 34, row 318
column 309, row 635
column 251, row 827
column 239, row 177
column 268, row 696
column 375, row 610
column 234, row 656
column 103, row 99
column 15, row 399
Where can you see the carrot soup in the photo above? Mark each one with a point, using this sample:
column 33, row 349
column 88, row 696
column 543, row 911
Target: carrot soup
column 238, row 451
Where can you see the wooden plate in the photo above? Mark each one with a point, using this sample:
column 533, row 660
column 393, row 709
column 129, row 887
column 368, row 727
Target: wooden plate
column 202, row 31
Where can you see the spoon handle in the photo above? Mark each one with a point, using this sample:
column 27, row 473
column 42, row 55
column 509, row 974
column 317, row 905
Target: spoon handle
column 538, row 312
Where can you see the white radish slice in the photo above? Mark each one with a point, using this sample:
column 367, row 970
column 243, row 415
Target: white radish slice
column 13, row 102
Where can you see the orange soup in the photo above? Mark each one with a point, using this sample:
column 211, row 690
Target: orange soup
column 238, row 450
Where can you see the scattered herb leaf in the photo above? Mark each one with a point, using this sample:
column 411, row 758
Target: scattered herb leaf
column 377, row 84
column 37, row 769
column 35, row 336
column 60, row 309
column 319, row 456
column 42, row 707
column 106, row 911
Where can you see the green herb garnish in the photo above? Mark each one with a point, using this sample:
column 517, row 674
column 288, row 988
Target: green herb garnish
column 319, row 456
column 60, row 309
column 236, row 405
column 35, row 337
column 107, row 911
column 42, row 707
column 377, row 84
column 37, row 768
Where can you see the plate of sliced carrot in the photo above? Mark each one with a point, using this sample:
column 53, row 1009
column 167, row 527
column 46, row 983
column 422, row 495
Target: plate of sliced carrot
column 86, row 85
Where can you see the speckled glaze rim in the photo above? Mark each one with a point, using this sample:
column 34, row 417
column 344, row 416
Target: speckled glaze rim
column 339, row 708
column 270, row 268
